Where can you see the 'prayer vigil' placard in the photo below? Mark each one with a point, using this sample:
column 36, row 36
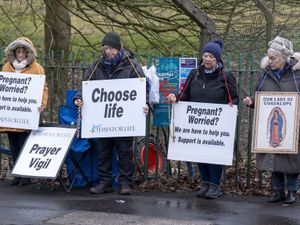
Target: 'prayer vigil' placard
column 20, row 96
column 113, row 108
column 44, row 152
column 202, row 132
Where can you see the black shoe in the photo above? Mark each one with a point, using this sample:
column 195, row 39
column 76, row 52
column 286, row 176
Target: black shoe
column 203, row 189
column 125, row 190
column 25, row 181
column 15, row 181
column 213, row 191
column 291, row 197
column 277, row 197
column 101, row 189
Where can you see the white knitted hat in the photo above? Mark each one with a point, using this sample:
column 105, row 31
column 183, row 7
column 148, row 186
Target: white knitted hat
column 282, row 45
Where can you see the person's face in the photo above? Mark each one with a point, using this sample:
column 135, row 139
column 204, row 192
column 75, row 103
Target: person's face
column 209, row 61
column 276, row 60
column 110, row 52
column 21, row 54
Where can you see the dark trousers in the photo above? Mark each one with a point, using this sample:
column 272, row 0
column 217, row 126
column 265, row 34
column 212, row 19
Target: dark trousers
column 210, row 173
column 282, row 180
column 123, row 147
column 16, row 142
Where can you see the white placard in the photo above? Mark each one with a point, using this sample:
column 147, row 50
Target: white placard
column 276, row 123
column 44, row 152
column 113, row 108
column 202, row 132
column 20, row 96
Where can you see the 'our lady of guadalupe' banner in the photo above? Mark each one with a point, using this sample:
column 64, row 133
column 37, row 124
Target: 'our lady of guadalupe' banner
column 276, row 123
column 113, row 108
column 20, row 96
column 202, row 132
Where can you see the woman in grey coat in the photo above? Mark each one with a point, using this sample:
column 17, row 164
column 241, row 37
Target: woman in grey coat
column 281, row 73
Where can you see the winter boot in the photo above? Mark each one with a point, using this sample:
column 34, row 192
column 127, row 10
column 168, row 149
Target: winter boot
column 291, row 197
column 213, row 191
column 15, row 181
column 25, row 181
column 101, row 189
column 125, row 190
column 278, row 196
column 204, row 186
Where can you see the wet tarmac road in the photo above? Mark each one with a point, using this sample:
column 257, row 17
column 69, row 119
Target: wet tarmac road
column 27, row 205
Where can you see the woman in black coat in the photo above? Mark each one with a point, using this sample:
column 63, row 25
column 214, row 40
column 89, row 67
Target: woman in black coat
column 209, row 83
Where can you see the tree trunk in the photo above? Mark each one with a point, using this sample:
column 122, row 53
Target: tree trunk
column 269, row 19
column 57, row 41
column 57, row 27
column 206, row 24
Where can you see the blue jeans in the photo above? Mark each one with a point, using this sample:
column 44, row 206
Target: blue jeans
column 210, row 173
column 191, row 169
column 280, row 180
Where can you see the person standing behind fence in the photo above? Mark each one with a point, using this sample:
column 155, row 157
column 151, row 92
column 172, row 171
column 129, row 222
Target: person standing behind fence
column 281, row 73
column 210, row 84
column 115, row 63
column 21, row 58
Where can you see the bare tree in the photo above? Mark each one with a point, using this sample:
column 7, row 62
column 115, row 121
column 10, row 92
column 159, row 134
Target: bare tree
column 57, row 27
column 199, row 17
column 165, row 26
column 57, row 40
column 268, row 14
column 158, row 22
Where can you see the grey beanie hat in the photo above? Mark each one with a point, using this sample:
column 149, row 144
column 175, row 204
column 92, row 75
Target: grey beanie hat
column 282, row 45
column 112, row 39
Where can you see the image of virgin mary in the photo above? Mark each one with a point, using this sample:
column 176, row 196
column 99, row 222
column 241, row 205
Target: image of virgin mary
column 276, row 127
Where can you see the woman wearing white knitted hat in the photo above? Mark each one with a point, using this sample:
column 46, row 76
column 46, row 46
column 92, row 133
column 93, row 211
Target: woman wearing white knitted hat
column 281, row 72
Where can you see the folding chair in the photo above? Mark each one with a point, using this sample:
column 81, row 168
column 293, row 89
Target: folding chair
column 81, row 159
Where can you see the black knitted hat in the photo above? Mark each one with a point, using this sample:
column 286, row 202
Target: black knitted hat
column 112, row 39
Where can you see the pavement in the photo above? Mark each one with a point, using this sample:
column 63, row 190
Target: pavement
column 32, row 205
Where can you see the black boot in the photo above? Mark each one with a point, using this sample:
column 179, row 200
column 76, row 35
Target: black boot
column 213, row 191
column 291, row 197
column 25, row 181
column 204, row 186
column 101, row 189
column 125, row 190
column 277, row 197
column 15, row 181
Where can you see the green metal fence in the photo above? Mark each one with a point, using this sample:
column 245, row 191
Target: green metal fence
column 67, row 74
